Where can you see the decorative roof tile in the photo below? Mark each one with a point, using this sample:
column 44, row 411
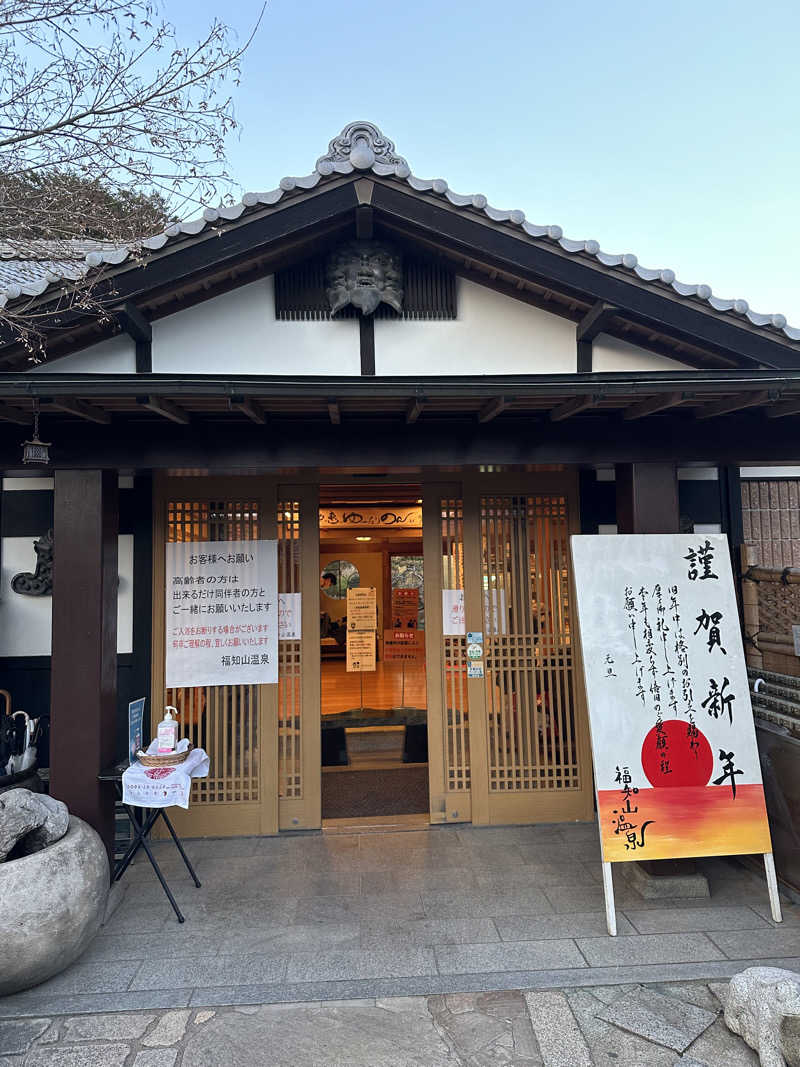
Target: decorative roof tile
column 361, row 148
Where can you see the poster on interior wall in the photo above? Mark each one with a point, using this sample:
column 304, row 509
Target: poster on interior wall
column 404, row 646
column 362, row 608
column 360, row 651
column 289, row 616
column 405, row 609
column 221, row 613
column 676, row 764
column 494, row 611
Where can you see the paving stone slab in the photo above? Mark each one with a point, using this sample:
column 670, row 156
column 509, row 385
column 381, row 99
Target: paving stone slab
column 685, row 920
column 508, row 956
column 428, row 932
column 609, row 1046
column 541, row 927
column 156, row 1057
column 124, row 1026
column 655, row 1017
column 417, row 880
column 692, row 992
column 17, row 1037
column 485, row 903
column 209, row 971
column 756, row 944
column 718, row 1047
column 273, row 938
column 720, row 991
column 104, row 1055
column 359, row 1037
column 648, row 948
column 335, row 965
column 557, row 1033
column 169, row 1030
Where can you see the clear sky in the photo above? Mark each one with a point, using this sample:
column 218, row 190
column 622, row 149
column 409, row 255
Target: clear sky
column 665, row 129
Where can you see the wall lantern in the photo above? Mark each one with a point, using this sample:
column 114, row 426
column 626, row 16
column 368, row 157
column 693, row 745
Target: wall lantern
column 36, row 451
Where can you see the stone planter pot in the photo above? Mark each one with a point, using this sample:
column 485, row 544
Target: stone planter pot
column 52, row 905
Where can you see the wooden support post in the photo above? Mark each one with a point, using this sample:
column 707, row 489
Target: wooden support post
column 647, row 498
column 608, row 893
column 772, row 886
column 83, row 704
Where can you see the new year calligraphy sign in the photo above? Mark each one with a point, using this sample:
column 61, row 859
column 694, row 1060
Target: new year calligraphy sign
column 676, row 763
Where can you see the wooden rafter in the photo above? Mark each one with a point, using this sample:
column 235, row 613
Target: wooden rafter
column 250, row 408
column 415, row 408
column 90, row 412
column 653, row 404
column 786, row 407
column 334, row 411
column 12, row 414
column 492, row 408
column 573, row 406
column 734, row 403
column 166, row 408
column 595, row 321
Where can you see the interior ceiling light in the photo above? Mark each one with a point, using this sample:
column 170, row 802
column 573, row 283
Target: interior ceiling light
column 363, row 537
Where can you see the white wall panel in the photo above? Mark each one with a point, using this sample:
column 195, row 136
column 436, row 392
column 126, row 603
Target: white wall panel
column 494, row 334
column 237, row 333
column 116, row 355
column 611, row 353
column 26, row 621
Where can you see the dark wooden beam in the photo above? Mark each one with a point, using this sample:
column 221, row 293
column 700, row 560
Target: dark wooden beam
column 786, row 407
column 166, row 408
column 366, row 336
column 250, row 408
column 492, row 408
column 83, row 711
column 647, row 498
column 12, row 414
column 415, row 408
column 134, row 323
column 334, row 413
column 734, row 403
column 79, row 407
column 364, row 222
column 584, row 357
column 653, row 404
column 595, row 321
column 573, row 406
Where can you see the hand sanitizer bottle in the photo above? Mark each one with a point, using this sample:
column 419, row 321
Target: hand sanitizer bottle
column 167, row 732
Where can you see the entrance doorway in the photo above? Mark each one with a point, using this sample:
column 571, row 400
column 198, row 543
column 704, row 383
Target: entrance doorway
column 374, row 706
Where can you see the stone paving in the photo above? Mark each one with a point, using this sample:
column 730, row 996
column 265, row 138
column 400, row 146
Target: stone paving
column 664, row 1025
column 416, row 913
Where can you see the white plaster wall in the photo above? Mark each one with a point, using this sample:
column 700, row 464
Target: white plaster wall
column 26, row 621
column 116, row 355
column 493, row 334
column 612, row 353
column 237, row 333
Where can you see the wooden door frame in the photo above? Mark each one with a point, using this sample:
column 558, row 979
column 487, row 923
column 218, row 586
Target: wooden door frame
column 253, row 817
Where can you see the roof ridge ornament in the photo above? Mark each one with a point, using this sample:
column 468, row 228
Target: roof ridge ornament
column 362, row 146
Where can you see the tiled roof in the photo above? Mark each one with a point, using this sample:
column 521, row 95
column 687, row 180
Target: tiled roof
column 362, row 148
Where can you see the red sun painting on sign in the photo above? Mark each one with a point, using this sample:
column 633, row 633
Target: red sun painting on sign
column 677, row 763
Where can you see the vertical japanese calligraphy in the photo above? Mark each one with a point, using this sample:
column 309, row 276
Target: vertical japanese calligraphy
column 676, row 763
column 221, row 613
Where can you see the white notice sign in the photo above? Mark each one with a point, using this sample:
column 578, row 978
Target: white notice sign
column 676, row 763
column 289, row 616
column 221, row 613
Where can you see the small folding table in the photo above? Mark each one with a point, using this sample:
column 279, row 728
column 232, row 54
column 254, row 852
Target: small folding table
column 142, row 822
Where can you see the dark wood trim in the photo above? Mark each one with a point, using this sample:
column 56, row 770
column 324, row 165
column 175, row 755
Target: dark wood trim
column 166, row 408
column 138, row 327
column 141, row 660
column 735, row 403
column 730, row 503
column 492, row 408
column 595, row 321
column 334, row 414
column 84, row 659
column 366, row 337
column 73, row 406
column 584, row 358
column 250, row 408
column 780, row 411
column 364, row 218
column 415, row 408
column 573, row 407
column 15, row 415
column 644, row 303
column 654, row 404
column 647, row 498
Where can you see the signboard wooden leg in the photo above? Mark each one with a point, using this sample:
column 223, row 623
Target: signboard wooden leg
column 608, row 892
column 772, row 885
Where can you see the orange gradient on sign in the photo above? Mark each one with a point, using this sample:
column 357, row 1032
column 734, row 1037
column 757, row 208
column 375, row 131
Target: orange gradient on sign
column 687, row 821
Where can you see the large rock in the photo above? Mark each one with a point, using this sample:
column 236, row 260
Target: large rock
column 52, row 904
column 763, row 1007
column 34, row 820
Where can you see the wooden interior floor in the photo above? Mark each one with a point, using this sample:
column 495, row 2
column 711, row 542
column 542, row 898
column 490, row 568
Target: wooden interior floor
column 383, row 688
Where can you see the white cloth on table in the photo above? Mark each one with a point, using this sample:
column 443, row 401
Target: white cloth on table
column 163, row 787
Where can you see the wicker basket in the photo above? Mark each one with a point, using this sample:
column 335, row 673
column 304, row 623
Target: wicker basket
column 167, row 759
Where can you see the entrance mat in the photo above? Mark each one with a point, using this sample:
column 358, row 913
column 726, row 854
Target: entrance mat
column 353, row 794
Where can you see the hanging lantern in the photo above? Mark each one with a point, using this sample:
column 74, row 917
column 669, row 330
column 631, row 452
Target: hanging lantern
column 36, row 451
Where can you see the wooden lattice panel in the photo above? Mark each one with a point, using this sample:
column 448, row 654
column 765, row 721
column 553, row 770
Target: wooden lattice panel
column 530, row 697
column 771, row 521
column 221, row 719
column 290, row 659
column 454, row 654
